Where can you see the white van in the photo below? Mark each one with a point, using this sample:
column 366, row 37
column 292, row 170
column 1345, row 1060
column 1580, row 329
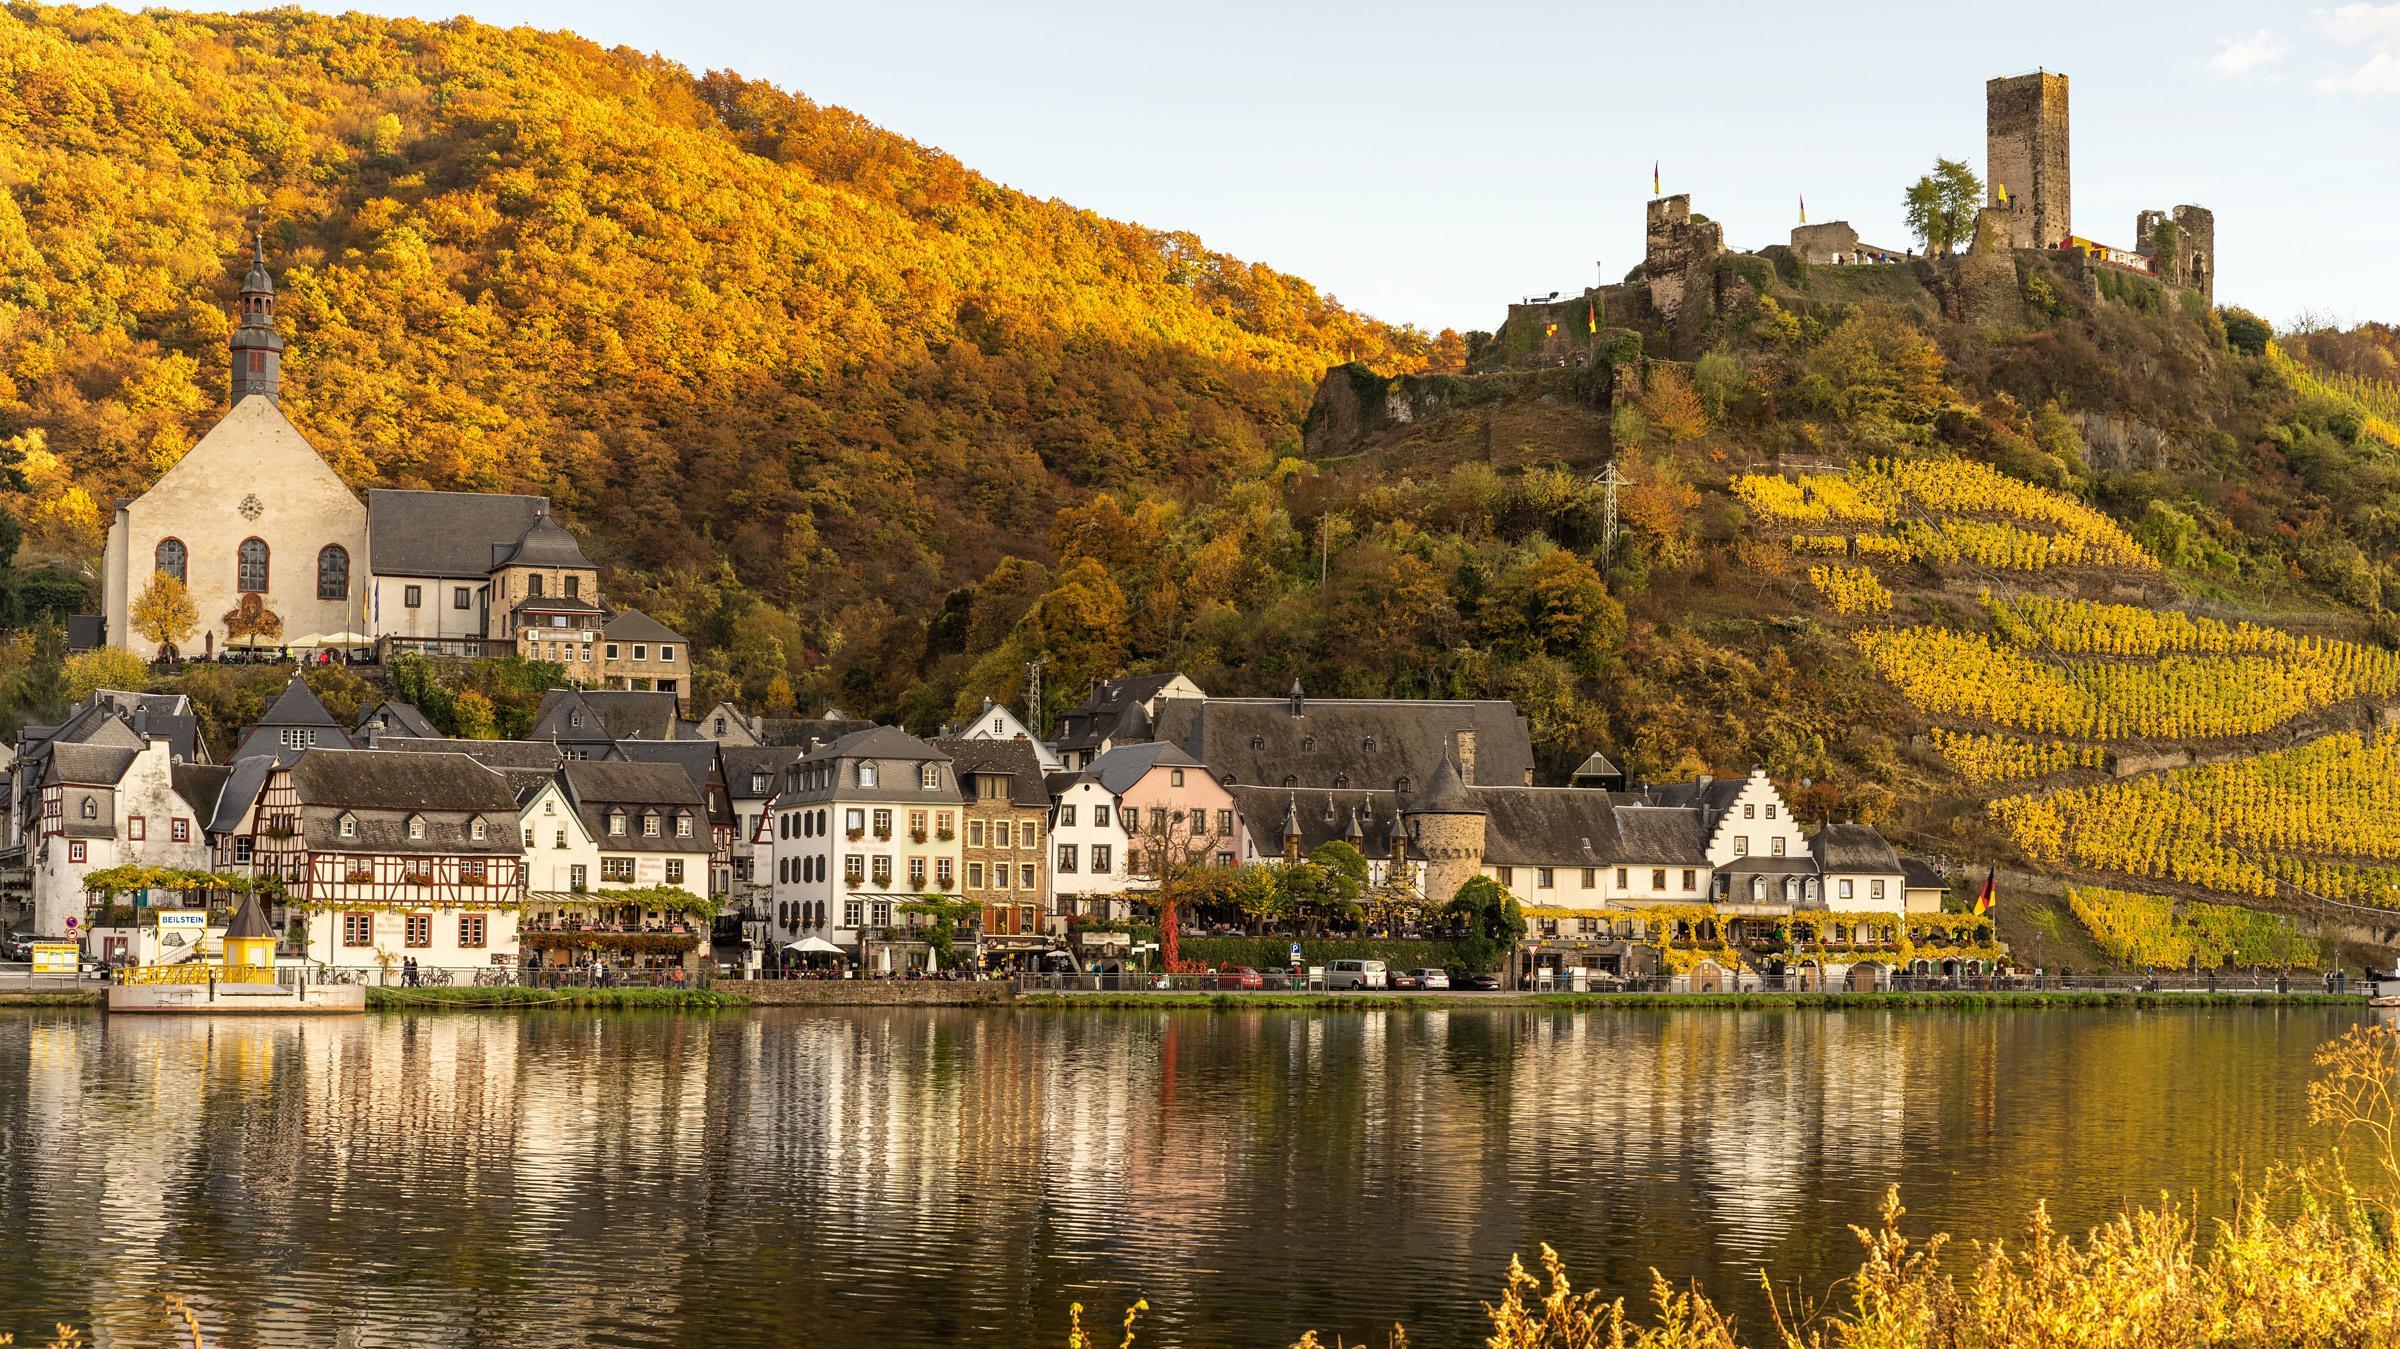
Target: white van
column 1356, row 974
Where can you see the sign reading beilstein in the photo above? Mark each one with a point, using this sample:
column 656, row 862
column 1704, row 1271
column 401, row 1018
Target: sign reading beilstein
column 181, row 933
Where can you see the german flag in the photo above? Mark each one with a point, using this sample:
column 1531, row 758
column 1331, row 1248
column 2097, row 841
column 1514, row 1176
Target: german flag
column 1591, row 317
column 1990, row 895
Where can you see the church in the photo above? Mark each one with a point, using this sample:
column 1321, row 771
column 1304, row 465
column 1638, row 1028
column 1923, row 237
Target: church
column 278, row 552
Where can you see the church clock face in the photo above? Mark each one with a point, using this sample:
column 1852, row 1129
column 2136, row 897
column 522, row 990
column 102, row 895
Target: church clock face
column 252, row 508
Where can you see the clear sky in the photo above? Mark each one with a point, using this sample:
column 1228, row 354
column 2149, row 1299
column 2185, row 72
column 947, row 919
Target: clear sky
column 1429, row 162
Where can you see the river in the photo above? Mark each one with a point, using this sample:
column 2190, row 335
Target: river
column 902, row 1177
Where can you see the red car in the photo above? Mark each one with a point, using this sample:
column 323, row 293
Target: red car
column 1237, row 976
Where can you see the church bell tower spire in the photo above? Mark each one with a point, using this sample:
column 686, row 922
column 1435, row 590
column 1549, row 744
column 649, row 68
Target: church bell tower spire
column 257, row 347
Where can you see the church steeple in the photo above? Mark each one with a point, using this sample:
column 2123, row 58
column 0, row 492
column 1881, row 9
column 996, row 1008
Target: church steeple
column 257, row 347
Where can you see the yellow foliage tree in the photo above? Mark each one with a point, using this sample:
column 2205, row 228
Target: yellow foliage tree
column 107, row 667
column 164, row 612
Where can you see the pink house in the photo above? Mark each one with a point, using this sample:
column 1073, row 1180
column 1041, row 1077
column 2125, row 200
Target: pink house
column 1172, row 808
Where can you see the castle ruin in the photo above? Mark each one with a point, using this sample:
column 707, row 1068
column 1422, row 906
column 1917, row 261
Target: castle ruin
column 2027, row 170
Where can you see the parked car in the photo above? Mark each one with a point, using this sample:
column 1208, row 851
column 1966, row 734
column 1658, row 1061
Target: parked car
column 1404, row 979
column 16, row 949
column 1237, row 976
column 1481, row 983
column 1432, row 980
column 1356, row 974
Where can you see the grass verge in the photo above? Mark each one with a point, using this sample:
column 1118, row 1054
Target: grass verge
column 599, row 999
column 1654, row 1001
column 46, row 998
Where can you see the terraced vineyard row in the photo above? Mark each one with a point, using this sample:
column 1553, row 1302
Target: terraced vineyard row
column 1944, row 511
column 2235, row 827
column 2151, row 931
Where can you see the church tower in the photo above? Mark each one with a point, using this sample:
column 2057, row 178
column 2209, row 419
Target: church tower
column 257, row 347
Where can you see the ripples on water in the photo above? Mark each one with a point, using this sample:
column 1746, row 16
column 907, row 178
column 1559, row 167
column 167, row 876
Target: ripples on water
column 898, row 1177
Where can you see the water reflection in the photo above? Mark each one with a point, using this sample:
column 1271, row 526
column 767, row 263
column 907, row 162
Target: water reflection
column 895, row 1177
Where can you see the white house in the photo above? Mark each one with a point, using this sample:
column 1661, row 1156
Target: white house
column 866, row 825
column 996, row 722
column 597, row 827
column 1089, row 866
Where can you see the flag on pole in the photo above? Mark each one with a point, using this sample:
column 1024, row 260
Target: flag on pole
column 1654, row 189
column 1804, row 208
column 2002, row 189
column 1991, row 894
column 1591, row 317
column 1551, row 331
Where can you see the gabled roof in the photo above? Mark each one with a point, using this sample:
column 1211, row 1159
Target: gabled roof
column 597, row 787
column 880, row 745
column 741, row 761
column 1358, row 742
column 1853, row 847
column 199, row 785
column 399, row 719
column 696, row 758
column 1596, row 766
column 508, row 755
column 445, row 534
column 365, row 779
column 609, row 714
column 297, row 705
column 88, row 765
column 1122, row 767
column 1118, row 709
column 632, row 625
column 1918, row 874
column 544, row 543
column 244, row 779
column 1013, row 759
column 807, row 732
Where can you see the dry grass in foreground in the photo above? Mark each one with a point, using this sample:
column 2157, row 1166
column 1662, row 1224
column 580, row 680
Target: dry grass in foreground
column 2307, row 1259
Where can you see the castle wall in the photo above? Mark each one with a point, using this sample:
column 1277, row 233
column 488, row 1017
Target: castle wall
column 2025, row 151
column 1452, row 848
column 1676, row 249
column 1824, row 243
column 2192, row 262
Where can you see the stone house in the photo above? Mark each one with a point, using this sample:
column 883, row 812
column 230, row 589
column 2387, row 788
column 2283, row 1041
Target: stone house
column 431, row 556
column 640, row 653
column 1004, row 824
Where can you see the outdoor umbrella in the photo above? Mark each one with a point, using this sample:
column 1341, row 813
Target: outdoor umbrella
column 814, row 946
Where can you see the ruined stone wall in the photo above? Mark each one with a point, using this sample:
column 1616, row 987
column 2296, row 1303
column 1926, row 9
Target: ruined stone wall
column 1823, row 243
column 1677, row 252
column 2025, row 151
column 2192, row 262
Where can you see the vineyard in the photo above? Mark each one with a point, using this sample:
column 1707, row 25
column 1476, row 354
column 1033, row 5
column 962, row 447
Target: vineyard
column 2153, row 932
column 1986, row 759
column 1942, row 512
column 1851, row 590
column 2376, row 401
column 2317, row 817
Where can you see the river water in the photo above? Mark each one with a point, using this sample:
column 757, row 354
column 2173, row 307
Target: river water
column 900, row 1177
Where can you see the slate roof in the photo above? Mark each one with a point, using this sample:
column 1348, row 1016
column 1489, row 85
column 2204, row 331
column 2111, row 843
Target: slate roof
column 1323, row 816
column 1122, row 767
column 741, row 761
column 1918, row 874
column 596, row 786
column 1371, row 742
column 697, row 759
column 1584, row 827
column 86, row 632
column 519, row 755
column 611, row 714
column 249, row 920
column 632, row 625
column 897, row 783
column 544, row 543
column 445, row 534
column 400, row 719
column 199, row 785
column 806, row 732
column 1014, row 759
column 1116, row 710
column 1445, row 793
column 1717, row 794
column 1854, row 848
column 88, row 765
column 243, row 781
column 383, row 790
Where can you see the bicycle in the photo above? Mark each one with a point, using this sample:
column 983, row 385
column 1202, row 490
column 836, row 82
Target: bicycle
column 433, row 978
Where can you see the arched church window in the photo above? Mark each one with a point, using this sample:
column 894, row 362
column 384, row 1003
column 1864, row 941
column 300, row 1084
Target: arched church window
column 253, row 568
column 333, row 572
column 170, row 558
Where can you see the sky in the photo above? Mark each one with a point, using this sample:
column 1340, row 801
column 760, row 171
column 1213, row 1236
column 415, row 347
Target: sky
column 1429, row 163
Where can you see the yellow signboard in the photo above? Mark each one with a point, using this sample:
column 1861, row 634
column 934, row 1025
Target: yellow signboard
column 55, row 957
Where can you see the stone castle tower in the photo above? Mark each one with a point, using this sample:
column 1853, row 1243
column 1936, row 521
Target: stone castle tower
column 2025, row 154
column 2182, row 244
column 1446, row 828
column 257, row 347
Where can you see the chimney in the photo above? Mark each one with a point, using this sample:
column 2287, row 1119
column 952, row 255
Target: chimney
column 1466, row 756
column 141, row 720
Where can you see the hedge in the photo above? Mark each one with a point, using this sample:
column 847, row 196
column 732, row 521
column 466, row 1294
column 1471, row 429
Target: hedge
column 1275, row 953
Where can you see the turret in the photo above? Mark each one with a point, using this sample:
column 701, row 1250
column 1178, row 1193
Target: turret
column 1446, row 829
column 257, row 347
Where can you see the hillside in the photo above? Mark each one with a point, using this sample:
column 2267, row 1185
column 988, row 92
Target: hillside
column 720, row 324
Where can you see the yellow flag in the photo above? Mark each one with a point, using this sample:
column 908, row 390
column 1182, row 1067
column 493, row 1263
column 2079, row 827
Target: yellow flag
column 1654, row 190
column 1804, row 208
column 2003, row 190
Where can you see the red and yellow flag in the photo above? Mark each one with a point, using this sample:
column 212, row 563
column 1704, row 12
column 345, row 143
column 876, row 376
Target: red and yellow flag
column 1591, row 317
column 1804, row 208
column 1990, row 895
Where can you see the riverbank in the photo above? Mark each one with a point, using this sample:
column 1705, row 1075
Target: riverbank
column 567, row 999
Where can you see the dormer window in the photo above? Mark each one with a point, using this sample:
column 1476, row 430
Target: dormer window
column 683, row 826
column 616, row 824
column 1401, row 786
column 575, row 719
column 1368, row 744
column 416, row 826
column 649, row 825
column 1307, row 743
column 475, row 829
column 929, row 776
column 348, row 828
column 90, row 809
column 866, row 775
column 758, row 784
column 1258, row 742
